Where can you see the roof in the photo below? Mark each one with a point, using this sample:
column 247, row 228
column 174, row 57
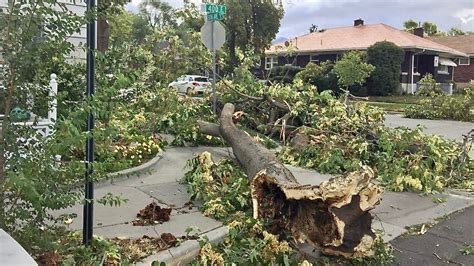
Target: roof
column 360, row 38
column 463, row 43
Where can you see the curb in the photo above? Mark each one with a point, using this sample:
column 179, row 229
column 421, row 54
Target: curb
column 187, row 251
column 130, row 172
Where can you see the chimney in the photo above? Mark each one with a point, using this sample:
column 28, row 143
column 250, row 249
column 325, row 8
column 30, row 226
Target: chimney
column 419, row 32
column 358, row 22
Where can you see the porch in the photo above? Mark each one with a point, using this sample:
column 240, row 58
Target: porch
column 419, row 63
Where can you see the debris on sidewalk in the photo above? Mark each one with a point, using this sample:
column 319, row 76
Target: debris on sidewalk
column 140, row 248
column 152, row 214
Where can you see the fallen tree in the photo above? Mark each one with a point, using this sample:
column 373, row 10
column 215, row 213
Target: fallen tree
column 333, row 216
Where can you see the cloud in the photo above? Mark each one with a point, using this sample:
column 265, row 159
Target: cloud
column 300, row 14
column 465, row 15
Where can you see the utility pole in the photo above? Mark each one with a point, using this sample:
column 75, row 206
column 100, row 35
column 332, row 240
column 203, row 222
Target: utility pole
column 87, row 226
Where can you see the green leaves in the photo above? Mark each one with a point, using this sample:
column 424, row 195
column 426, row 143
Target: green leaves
column 352, row 69
column 442, row 106
column 222, row 186
column 387, row 58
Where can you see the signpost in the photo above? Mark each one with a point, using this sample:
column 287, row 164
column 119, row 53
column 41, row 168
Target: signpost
column 213, row 37
column 87, row 225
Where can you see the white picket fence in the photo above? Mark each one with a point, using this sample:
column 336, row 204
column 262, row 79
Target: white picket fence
column 44, row 126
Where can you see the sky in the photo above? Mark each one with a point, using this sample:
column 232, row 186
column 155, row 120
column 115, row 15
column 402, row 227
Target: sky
column 300, row 14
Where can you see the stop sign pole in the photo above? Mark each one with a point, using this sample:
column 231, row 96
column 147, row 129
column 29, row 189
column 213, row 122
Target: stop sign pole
column 213, row 37
column 87, row 225
column 213, row 49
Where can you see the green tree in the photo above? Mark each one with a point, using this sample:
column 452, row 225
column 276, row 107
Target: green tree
column 253, row 23
column 106, row 8
column 159, row 13
column 352, row 69
column 410, row 25
column 33, row 35
column 27, row 47
column 387, row 59
column 121, row 27
column 429, row 28
column 322, row 76
column 455, row 32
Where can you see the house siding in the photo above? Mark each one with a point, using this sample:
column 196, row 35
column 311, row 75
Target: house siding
column 78, row 39
column 463, row 73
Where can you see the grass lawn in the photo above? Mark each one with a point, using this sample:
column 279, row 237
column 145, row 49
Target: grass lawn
column 390, row 107
column 397, row 103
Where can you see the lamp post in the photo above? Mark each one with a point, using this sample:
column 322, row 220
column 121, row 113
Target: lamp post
column 90, row 90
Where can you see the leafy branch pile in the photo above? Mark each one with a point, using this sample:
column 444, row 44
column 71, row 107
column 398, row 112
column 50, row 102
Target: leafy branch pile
column 222, row 186
column 443, row 106
column 334, row 136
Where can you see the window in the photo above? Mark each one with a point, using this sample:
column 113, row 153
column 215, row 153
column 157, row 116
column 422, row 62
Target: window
column 442, row 69
column 464, row 61
column 314, row 59
column 270, row 62
column 201, row 79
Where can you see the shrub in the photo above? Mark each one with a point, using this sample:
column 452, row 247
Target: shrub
column 443, row 106
column 322, row 76
column 387, row 59
column 352, row 70
column 428, row 86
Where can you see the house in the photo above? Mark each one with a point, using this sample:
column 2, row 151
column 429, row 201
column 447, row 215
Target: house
column 464, row 72
column 422, row 56
column 79, row 7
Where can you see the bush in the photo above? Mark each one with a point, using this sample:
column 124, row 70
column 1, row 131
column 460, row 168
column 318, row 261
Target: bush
column 352, row 69
column 443, row 106
column 428, row 87
column 387, row 59
column 322, row 76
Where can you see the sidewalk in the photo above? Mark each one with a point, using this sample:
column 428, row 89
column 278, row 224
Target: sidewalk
column 440, row 245
column 162, row 185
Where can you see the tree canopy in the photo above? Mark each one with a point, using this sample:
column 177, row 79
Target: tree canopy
column 387, row 59
column 251, row 24
column 431, row 29
column 352, row 69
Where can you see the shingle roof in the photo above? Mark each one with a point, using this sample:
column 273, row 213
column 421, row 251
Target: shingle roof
column 463, row 43
column 360, row 38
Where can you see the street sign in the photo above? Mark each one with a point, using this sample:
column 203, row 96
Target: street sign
column 213, row 8
column 213, row 35
column 215, row 16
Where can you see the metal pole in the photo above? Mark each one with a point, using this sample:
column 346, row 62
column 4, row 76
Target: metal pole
column 89, row 186
column 214, row 99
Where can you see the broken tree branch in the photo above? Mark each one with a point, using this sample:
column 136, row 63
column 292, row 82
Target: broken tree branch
column 333, row 216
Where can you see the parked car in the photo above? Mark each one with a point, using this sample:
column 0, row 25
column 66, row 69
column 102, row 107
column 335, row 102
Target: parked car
column 191, row 84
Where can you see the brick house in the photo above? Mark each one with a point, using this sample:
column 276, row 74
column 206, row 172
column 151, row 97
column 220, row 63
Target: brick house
column 422, row 55
column 464, row 72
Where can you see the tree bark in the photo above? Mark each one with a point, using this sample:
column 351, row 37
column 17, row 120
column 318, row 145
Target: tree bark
column 333, row 216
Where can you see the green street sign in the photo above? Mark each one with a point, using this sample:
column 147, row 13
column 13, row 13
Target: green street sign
column 215, row 16
column 213, row 8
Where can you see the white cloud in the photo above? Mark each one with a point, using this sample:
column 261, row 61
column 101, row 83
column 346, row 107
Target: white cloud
column 466, row 15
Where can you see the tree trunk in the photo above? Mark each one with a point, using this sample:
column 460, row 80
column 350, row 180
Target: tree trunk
column 103, row 34
column 333, row 216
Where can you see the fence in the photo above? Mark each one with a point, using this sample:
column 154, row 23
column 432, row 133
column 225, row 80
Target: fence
column 44, row 126
column 408, row 88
